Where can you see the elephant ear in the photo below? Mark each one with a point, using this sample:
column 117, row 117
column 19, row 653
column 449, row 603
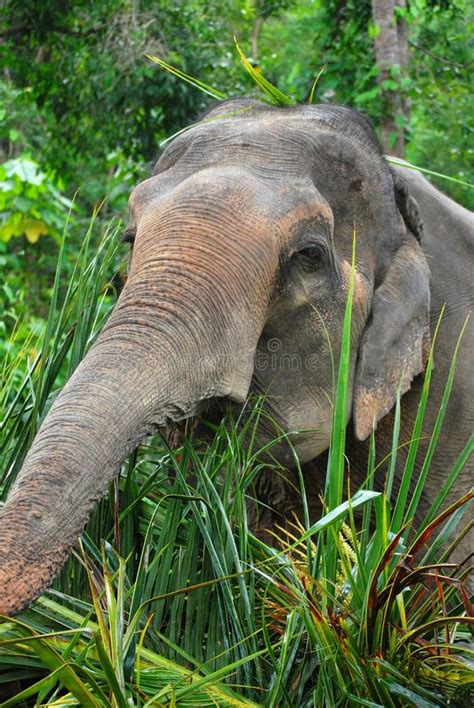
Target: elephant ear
column 396, row 341
column 407, row 206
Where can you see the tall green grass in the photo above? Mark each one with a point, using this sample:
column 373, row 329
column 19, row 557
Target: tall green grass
column 170, row 600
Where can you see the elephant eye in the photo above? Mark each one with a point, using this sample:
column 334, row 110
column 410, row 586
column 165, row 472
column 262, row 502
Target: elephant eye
column 312, row 256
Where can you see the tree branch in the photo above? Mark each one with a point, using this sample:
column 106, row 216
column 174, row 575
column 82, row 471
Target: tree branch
column 440, row 59
column 255, row 33
column 31, row 29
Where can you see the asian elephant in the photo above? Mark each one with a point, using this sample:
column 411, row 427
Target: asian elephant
column 242, row 241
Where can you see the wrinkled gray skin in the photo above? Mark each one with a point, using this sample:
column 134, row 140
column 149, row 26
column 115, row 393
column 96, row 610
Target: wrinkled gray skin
column 238, row 281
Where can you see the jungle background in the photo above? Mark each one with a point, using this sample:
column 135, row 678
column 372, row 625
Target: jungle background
column 169, row 599
column 83, row 111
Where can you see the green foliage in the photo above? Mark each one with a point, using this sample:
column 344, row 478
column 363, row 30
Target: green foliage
column 441, row 90
column 171, row 600
column 40, row 354
column 22, row 128
column 269, row 91
column 437, row 90
column 31, row 203
column 332, row 35
column 86, row 61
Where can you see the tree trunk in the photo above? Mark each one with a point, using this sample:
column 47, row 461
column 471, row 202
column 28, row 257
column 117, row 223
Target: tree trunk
column 255, row 34
column 391, row 51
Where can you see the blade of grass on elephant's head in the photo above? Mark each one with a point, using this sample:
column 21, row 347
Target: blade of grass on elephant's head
column 207, row 119
column 276, row 96
column 197, row 83
column 315, row 84
column 404, row 163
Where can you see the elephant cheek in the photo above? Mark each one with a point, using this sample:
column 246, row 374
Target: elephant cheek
column 235, row 378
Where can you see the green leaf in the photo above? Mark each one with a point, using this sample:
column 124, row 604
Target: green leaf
column 389, row 85
column 408, row 165
column 187, row 78
column 272, row 92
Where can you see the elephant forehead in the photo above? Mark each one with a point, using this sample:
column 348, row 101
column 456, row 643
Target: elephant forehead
column 284, row 149
column 300, row 121
column 272, row 147
column 224, row 192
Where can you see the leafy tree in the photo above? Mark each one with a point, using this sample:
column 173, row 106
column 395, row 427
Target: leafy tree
column 442, row 121
column 31, row 204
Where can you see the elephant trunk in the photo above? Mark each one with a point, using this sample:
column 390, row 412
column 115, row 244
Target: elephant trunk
column 101, row 415
column 184, row 330
column 134, row 380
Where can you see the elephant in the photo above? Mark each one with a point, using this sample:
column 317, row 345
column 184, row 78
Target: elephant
column 242, row 243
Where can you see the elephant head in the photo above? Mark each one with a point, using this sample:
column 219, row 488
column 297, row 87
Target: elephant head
column 239, row 274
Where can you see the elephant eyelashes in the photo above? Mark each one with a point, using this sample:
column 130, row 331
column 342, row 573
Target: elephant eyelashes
column 311, row 256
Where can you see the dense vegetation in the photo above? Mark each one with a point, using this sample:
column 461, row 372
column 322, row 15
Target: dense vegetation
column 339, row 617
